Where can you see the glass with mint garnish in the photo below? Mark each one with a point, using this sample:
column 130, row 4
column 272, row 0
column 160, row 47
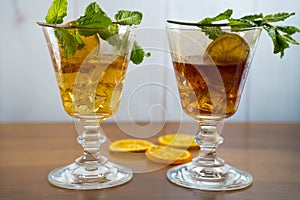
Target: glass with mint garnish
column 211, row 60
column 90, row 56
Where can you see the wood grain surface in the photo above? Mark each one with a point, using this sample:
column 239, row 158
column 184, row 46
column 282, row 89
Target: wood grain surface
column 29, row 151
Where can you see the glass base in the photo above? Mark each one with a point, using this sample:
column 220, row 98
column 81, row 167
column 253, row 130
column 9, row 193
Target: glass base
column 221, row 178
column 77, row 177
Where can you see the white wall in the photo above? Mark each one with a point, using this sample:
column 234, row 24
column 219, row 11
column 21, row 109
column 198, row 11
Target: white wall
column 28, row 89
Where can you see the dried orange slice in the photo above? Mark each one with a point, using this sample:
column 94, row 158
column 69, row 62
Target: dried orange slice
column 183, row 141
column 228, row 49
column 168, row 155
column 130, row 145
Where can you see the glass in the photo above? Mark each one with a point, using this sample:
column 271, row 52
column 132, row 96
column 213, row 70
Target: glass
column 90, row 81
column 210, row 76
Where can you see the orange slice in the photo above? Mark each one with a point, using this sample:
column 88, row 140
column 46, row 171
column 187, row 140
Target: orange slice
column 130, row 145
column 183, row 141
column 228, row 49
column 168, row 155
column 90, row 44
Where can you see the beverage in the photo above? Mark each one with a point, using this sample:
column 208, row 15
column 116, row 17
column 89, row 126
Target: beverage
column 200, row 101
column 90, row 83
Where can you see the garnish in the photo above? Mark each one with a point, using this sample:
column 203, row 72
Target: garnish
column 130, row 145
column 280, row 35
column 57, row 12
column 228, row 49
column 93, row 19
column 138, row 54
column 168, row 155
column 125, row 17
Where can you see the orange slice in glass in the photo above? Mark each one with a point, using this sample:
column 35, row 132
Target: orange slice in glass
column 168, row 155
column 89, row 44
column 130, row 145
column 183, row 141
column 228, row 49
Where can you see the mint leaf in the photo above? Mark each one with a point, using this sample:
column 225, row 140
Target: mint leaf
column 276, row 17
column 289, row 39
column 241, row 23
column 214, row 32
column 57, row 12
column 80, row 43
column 279, row 42
column 138, row 54
column 94, row 21
column 246, row 21
column 280, row 35
column 109, row 32
column 94, row 8
column 126, row 17
column 94, row 18
column 67, row 41
column 288, row 29
column 222, row 16
column 253, row 17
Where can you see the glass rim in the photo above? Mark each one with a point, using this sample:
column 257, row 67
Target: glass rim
column 171, row 24
column 47, row 25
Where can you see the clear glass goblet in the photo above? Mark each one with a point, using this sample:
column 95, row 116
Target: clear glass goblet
column 90, row 73
column 210, row 71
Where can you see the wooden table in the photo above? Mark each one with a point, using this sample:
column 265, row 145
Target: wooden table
column 28, row 152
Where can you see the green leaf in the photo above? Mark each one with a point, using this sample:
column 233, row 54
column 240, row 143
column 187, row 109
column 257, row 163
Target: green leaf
column 213, row 32
column 109, row 32
column 137, row 53
column 56, row 12
column 276, row 17
column 94, row 19
column 289, row 39
column 222, row 16
column 80, row 42
column 241, row 23
column 253, row 17
column 94, row 8
column 66, row 41
column 280, row 35
column 126, row 17
column 288, row 29
column 279, row 42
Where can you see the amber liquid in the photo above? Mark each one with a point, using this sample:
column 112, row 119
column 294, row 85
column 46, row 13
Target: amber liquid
column 209, row 91
column 90, row 84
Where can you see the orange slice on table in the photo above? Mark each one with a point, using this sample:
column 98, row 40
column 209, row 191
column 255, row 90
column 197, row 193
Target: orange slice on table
column 228, row 49
column 130, row 145
column 168, row 155
column 183, row 141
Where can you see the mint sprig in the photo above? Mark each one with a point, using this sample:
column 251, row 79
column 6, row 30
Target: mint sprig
column 96, row 21
column 281, row 35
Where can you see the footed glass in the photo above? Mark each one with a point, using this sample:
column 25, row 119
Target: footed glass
column 90, row 73
column 210, row 71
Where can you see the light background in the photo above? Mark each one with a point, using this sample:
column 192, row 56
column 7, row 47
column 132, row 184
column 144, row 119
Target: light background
column 28, row 90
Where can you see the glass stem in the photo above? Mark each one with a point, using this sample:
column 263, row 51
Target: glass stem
column 91, row 140
column 208, row 140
